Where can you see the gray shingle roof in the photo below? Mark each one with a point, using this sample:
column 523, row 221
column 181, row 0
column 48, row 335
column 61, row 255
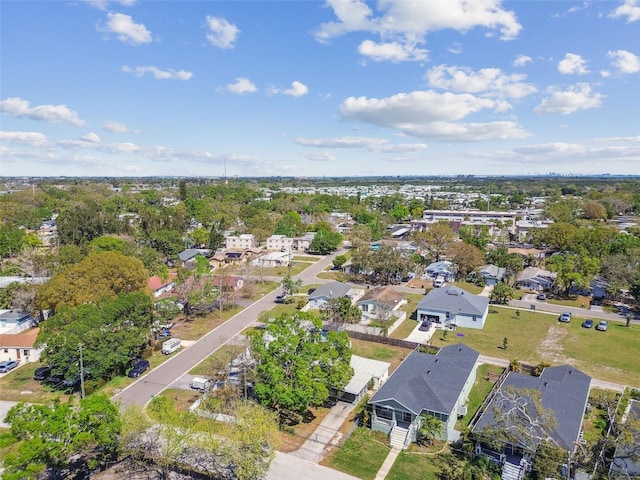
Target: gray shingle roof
column 625, row 460
column 188, row 254
column 563, row 390
column 429, row 382
column 330, row 290
column 492, row 271
column 454, row 300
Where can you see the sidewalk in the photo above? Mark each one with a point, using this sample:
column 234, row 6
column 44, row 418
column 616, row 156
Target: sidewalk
column 388, row 463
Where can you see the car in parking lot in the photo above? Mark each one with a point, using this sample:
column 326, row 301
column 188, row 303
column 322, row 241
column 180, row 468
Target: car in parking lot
column 138, row 369
column 602, row 326
column 542, row 296
column 8, row 365
column 42, row 373
column 565, row 317
column 588, row 323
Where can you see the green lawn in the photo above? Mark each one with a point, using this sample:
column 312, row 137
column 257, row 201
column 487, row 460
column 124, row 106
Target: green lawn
column 469, row 287
column 410, row 466
column 361, row 455
column 535, row 337
column 304, row 258
column 577, row 301
column 378, row 351
column 404, row 329
column 19, row 386
column 481, row 388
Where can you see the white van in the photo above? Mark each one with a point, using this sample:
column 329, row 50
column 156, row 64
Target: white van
column 170, row 346
column 439, row 282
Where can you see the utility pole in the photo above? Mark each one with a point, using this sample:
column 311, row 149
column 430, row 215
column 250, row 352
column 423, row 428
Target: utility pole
column 81, row 373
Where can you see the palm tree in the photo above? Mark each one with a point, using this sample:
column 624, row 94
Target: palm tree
column 430, row 428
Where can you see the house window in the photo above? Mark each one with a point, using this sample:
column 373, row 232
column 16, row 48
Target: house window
column 383, row 412
column 365, row 307
column 407, row 417
column 25, row 352
column 6, row 350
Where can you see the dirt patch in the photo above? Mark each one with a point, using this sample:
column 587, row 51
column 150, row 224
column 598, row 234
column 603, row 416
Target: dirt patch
column 550, row 348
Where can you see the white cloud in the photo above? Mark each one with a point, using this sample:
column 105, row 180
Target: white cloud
column 91, row 137
column 573, row 64
column 18, row 107
column 104, row 4
column 522, row 60
column 367, row 143
column 428, row 114
column 221, row 33
column 577, row 97
column 624, row 61
column 117, row 127
column 391, row 51
column 242, row 85
column 605, row 73
column 491, row 81
column 319, row 156
column 455, row 48
column 629, row 9
column 411, row 20
column 127, row 30
column 31, row 139
column 298, row 89
column 158, row 74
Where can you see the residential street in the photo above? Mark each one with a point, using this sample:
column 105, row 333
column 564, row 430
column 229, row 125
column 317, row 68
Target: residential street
column 141, row 391
column 530, row 299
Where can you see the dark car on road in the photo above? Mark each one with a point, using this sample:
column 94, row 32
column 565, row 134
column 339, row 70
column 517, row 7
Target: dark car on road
column 8, row 365
column 42, row 373
column 138, row 369
column 588, row 323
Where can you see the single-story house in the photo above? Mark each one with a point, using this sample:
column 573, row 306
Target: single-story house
column 20, row 346
column 626, row 463
column 377, row 298
column 443, row 268
column 564, row 392
column 450, row 305
column 326, row 292
column 273, row 259
column 16, row 321
column 437, row 385
column 368, row 375
column 536, row 278
column 158, row 286
column 228, row 283
column 492, row 274
column 188, row 256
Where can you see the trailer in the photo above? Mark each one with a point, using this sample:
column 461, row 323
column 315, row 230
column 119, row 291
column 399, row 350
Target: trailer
column 170, row 346
column 199, row 383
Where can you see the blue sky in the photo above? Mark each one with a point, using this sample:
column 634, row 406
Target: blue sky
column 314, row 88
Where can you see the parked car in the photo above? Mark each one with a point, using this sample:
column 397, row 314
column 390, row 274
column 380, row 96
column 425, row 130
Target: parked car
column 165, row 332
column 424, row 326
column 8, row 365
column 55, row 380
column 565, row 317
column 138, row 369
column 282, row 298
column 602, row 326
column 588, row 323
column 71, row 383
column 42, row 373
column 542, row 296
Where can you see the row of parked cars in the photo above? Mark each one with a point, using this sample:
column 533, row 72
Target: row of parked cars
column 601, row 326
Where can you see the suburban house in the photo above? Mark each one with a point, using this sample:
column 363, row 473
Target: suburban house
column 368, row 375
column 20, row 346
column 380, row 299
column 451, row 306
column 625, row 459
column 240, row 242
column 232, row 257
column 188, row 257
column 564, row 392
column 280, row 242
column 327, row 291
column 536, row 278
column 15, row 321
column 492, row 274
column 273, row 259
column 158, row 286
column 228, row 283
column 443, row 268
column 437, row 385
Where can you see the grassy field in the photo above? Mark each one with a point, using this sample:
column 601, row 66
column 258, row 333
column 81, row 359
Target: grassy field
column 19, row 386
column 535, row 337
column 577, row 301
column 469, row 287
column 377, row 351
column 404, row 329
column 410, row 466
column 361, row 455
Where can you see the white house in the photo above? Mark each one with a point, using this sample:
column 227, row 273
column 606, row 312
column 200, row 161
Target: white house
column 449, row 306
column 240, row 242
column 273, row 259
column 280, row 242
column 536, row 279
column 20, row 346
column 15, row 321
column 326, row 292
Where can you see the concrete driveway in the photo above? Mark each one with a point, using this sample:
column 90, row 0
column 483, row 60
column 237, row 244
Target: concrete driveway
column 289, row 467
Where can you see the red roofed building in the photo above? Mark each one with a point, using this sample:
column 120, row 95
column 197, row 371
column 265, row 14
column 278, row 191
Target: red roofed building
column 159, row 286
column 20, row 346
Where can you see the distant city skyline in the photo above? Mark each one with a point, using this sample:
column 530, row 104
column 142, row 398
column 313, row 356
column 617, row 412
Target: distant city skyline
column 312, row 88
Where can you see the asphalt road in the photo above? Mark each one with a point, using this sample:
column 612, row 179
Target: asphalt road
column 154, row 382
column 530, row 299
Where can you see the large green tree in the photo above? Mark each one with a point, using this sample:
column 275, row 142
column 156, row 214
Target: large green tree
column 112, row 332
column 62, row 439
column 97, row 275
column 325, row 241
column 298, row 365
